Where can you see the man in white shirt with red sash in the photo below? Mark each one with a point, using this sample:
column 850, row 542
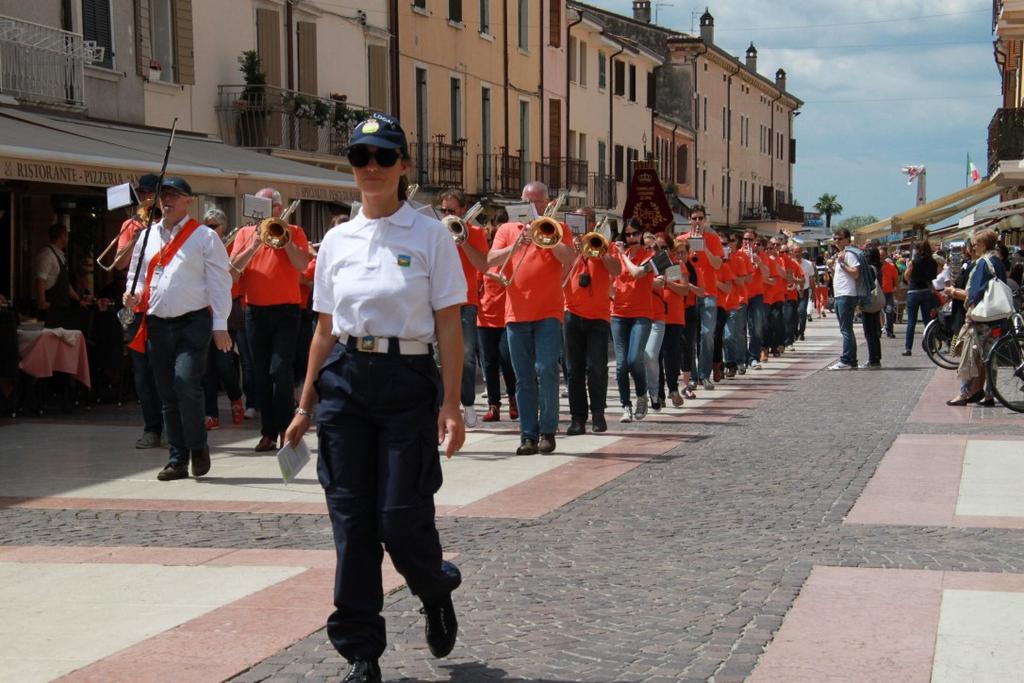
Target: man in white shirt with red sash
column 184, row 290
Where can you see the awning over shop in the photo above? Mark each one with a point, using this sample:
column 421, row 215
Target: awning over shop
column 51, row 149
column 931, row 212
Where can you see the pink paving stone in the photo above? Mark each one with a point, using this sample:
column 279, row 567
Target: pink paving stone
column 932, row 408
column 856, row 625
column 916, row 483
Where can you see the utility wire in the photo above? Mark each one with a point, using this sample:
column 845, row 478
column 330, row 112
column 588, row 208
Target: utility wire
column 881, row 46
column 852, row 23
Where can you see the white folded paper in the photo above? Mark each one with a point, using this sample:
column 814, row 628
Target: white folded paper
column 292, row 460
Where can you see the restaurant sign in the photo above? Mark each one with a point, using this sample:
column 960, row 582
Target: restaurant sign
column 64, row 174
column 326, row 194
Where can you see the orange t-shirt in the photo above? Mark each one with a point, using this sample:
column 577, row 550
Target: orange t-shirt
column 304, row 290
column 535, row 293
column 270, row 279
column 592, row 301
column 713, row 246
column 478, row 240
column 756, row 285
column 890, row 274
column 633, row 297
column 742, row 267
column 675, row 306
column 730, row 301
column 129, row 229
column 491, row 312
column 776, row 291
column 797, row 271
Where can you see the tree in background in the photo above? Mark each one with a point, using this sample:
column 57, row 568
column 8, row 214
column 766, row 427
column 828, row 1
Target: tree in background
column 828, row 205
column 854, row 222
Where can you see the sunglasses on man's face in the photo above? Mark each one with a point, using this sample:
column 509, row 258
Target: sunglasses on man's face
column 631, row 234
column 450, row 212
column 360, row 157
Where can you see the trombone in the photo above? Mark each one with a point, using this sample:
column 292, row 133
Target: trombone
column 141, row 217
column 545, row 233
column 459, row 227
column 594, row 244
column 274, row 232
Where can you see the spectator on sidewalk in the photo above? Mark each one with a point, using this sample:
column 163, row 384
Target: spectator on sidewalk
column 872, row 322
column 844, row 283
column 890, row 274
column 920, row 297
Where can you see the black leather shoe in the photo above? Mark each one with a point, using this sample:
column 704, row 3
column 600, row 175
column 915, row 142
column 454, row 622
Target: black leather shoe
column 546, row 443
column 200, row 461
column 527, row 447
column 441, row 627
column 599, row 424
column 906, row 352
column 172, row 472
column 576, row 427
column 363, row 671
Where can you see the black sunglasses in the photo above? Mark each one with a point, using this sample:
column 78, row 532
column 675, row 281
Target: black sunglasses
column 360, row 156
column 630, row 234
column 451, row 212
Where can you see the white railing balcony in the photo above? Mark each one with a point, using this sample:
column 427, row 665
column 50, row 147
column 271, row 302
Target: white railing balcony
column 43, row 64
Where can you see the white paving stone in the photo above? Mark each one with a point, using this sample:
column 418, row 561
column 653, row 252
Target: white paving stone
column 990, row 484
column 980, row 637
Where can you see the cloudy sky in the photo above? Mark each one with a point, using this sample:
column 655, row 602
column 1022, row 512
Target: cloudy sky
column 886, row 83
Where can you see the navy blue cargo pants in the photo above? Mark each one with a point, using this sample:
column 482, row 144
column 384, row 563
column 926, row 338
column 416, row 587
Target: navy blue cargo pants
column 379, row 466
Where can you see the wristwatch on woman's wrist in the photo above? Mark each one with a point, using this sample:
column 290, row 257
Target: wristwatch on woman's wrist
column 303, row 412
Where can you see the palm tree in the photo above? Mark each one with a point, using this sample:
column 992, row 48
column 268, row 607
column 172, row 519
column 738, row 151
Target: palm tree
column 828, row 205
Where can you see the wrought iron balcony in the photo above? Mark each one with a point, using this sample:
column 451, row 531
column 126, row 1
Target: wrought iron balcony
column 1005, row 137
column 44, row 65
column 501, row 173
column 438, row 164
column 603, row 191
column 561, row 174
column 266, row 117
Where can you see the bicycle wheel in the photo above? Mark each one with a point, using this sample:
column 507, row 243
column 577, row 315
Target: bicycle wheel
column 937, row 343
column 1006, row 371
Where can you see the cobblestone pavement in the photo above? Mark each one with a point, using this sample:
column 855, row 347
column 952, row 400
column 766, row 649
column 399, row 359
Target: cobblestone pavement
column 680, row 570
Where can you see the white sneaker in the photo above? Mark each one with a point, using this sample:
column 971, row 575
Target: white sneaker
column 840, row 365
column 627, row 414
column 469, row 416
column 641, row 408
column 250, row 413
column 755, row 365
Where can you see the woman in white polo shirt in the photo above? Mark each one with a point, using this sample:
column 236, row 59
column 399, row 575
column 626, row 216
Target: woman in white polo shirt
column 384, row 282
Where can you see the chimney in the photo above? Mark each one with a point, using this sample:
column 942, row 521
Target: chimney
column 642, row 10
column 752, row 58
column 707, row 27
column 780, row 79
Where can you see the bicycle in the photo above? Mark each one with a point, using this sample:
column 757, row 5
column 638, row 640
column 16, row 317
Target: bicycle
column 1005, row 365
column 939, row 338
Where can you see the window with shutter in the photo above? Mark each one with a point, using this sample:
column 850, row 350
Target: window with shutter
column 377, row 76
column 184, row 51
column 143, row 46
column 652, row 91
column 619, row 163
column 632, row 82
column 485, row 16
column 619, row 75
column 602, row 71
column 554, row 129
column 455, row 11
column 583, row 64
column 161, row 38
column 96, row 27
column 555, row 23
column 268, row 44
column 571, row 59
column 523, row 30
column 682, row 154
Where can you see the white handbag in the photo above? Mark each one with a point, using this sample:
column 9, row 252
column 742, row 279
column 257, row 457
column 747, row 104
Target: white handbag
column 997, row 302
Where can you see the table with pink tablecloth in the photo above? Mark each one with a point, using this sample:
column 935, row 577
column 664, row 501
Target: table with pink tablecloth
column 44, row 352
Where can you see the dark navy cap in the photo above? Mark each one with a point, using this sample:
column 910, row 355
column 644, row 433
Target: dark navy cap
column 147, row 183
column 380, row 130
column 179, row 185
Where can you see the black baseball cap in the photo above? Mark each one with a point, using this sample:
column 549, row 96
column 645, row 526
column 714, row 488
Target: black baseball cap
column 179, row 185
column 380, row 130
column 147, row 182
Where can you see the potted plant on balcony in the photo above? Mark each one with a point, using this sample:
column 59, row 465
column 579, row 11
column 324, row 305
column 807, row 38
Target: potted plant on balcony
column 252, row 104
column 155, row 69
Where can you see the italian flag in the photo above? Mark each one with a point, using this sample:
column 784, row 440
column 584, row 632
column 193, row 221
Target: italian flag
column 972, row 172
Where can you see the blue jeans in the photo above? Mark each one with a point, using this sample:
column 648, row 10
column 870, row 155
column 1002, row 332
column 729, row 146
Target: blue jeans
column 630, row 337
column 535, row 347
column 586, row 355
column 468, row 354
column 708, row 320
column 917, row 300
column 844, row 312
column 177, row 349
column 801, row 310
column 652, row 356
column 734, row 341
column 890, row 313
column 273, row 333
column 245, row 358
column 755, row 326
column 493, row 343
column 145, row 387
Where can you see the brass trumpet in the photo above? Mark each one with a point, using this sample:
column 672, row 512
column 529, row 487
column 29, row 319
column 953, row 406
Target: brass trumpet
column 545, row 233
column 456, row 227
column 141, row 216
column 594, row 245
